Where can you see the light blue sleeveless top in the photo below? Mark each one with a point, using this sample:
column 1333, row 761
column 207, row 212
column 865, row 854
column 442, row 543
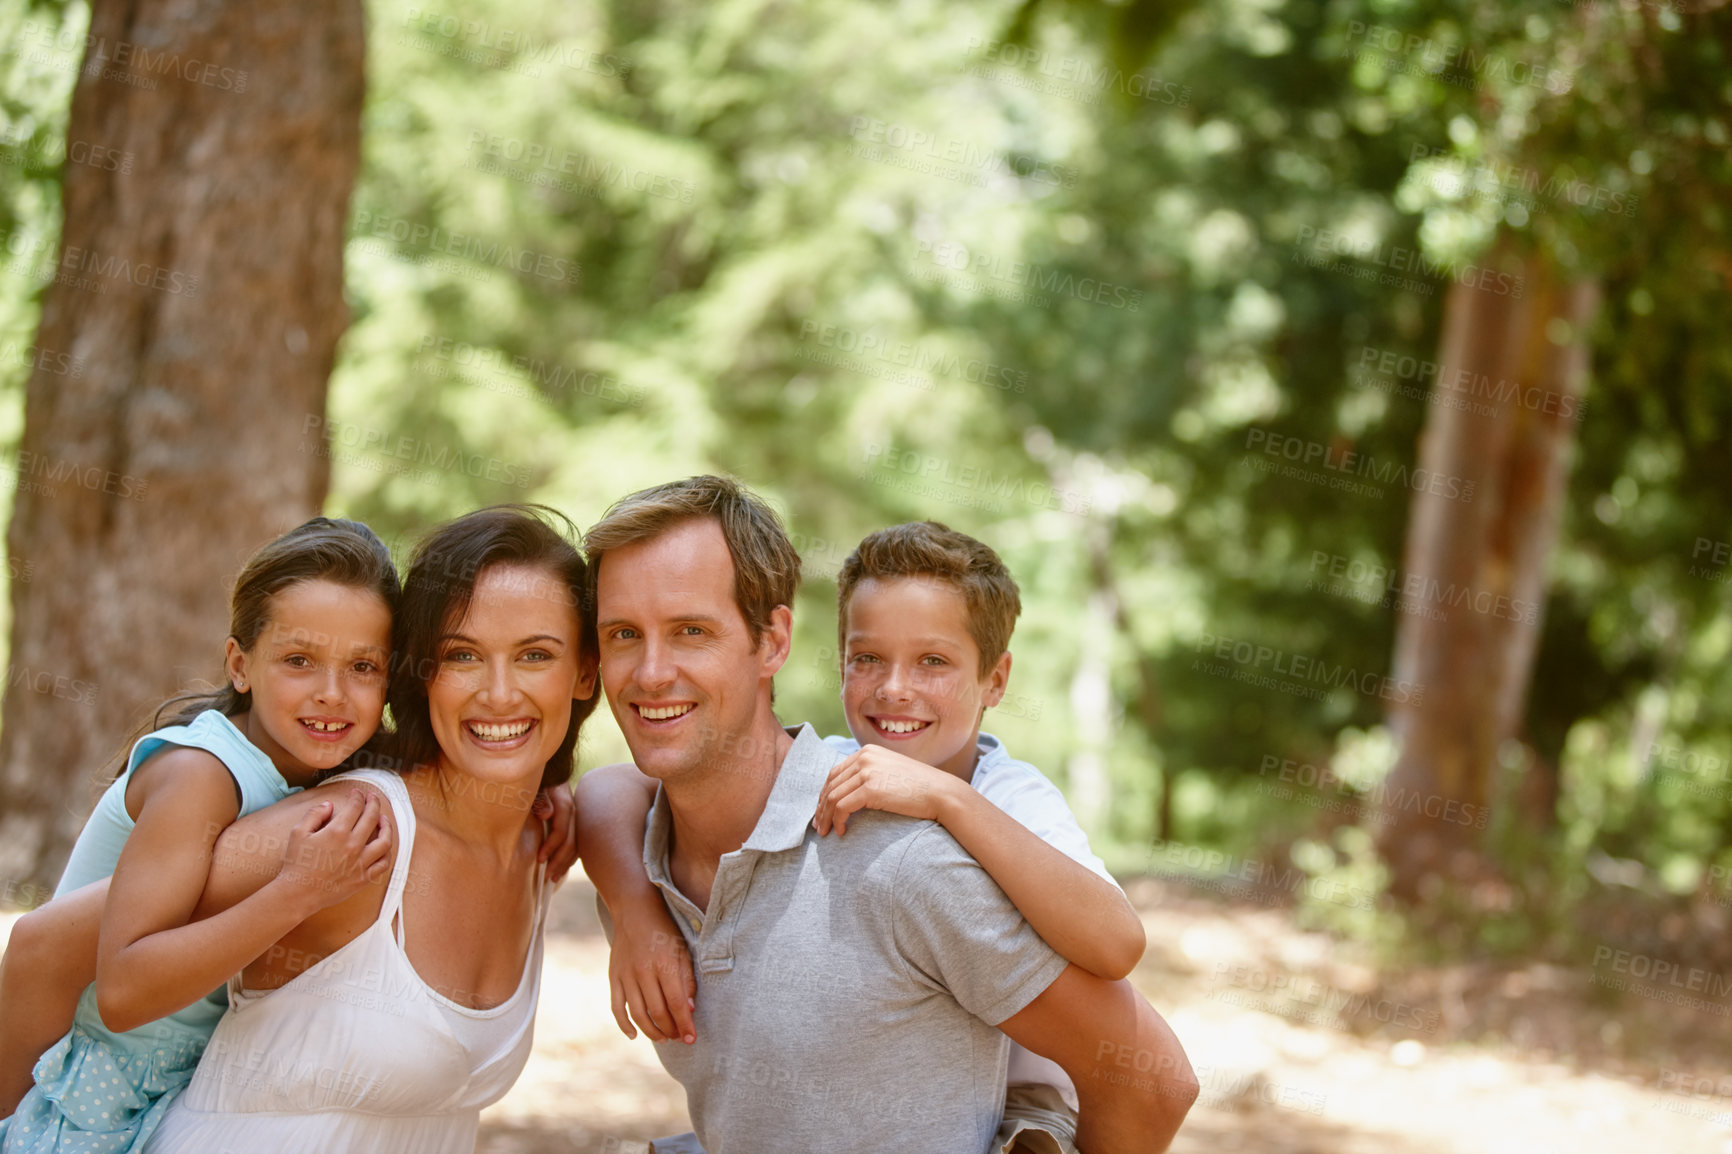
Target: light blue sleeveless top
column 96, row 1091
column 98, row 846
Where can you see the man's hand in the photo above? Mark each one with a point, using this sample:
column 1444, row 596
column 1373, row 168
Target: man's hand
column 1132, row 1078
column 878, row 778
column 650, row 972
column 556, row 807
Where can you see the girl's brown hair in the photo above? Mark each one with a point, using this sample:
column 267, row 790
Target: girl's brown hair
column 322, row 549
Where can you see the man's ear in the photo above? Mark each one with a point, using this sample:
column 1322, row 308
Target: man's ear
column 996, row 681
column 777, row 640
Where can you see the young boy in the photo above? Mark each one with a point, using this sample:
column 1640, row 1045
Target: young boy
column 925, row 616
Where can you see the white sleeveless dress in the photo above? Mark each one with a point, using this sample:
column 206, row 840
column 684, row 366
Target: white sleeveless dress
column 357, row 1055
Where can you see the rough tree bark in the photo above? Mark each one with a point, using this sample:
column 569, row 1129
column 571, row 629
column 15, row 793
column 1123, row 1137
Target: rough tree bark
column 1502, row 419
column 199, row 284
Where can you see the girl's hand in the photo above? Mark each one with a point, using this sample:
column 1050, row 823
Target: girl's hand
column 556, row 807
column 878, row 778
column 650, row 971
column 337, row 849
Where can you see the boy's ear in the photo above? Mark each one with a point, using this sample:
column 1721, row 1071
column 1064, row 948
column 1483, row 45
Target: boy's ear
column 996, row 681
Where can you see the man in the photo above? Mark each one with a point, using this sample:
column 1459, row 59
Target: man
column 854, row 993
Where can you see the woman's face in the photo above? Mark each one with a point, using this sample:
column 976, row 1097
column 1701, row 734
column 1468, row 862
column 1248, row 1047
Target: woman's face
column 508, row 673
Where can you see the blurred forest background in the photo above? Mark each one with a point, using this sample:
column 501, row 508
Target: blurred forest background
column 1348, row 385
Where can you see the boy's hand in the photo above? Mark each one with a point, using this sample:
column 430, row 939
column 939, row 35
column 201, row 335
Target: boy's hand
column 878, row 778
column 337, row 848
column 650, row 972
column 556, row 807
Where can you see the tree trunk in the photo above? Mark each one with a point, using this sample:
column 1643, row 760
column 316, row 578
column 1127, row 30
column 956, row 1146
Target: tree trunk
column 200, row 286
column 1495, row 453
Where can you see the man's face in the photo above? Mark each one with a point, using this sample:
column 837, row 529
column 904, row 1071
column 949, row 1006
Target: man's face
column 682, row 676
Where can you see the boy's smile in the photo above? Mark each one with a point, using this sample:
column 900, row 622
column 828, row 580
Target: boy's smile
column 911, row 672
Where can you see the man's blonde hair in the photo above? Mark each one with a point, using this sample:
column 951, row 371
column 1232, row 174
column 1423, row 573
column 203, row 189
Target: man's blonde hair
column 766, row 567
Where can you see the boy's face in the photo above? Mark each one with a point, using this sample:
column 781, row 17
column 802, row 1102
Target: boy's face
column 911, row 672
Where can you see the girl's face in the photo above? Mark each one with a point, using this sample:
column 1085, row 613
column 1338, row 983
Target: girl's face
column 508, row 673
column 317, row 676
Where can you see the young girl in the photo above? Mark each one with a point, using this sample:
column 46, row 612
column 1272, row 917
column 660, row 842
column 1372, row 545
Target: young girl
column 305, row 662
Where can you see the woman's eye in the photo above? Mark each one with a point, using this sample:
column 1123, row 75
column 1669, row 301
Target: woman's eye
column 298, row 661
column 538, row 655
column 365, row 668
column 459, row 656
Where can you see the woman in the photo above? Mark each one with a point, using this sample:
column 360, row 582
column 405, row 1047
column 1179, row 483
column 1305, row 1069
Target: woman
column 386, row 1022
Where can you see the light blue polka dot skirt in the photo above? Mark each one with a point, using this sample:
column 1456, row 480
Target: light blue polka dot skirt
column 98, row 1092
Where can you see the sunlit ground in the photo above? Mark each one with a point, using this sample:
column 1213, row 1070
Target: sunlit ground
column 1336, row 1061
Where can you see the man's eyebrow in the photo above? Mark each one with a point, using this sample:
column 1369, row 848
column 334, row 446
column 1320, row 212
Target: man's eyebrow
column 676, row 619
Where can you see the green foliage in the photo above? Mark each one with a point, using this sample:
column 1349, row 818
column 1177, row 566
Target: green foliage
column 1043, row 271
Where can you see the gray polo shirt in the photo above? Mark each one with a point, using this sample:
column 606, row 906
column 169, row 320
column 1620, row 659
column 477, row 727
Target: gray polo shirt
column 848, row 987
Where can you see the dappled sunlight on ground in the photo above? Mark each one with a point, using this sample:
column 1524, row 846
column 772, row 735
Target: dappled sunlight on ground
column 1301, row 1047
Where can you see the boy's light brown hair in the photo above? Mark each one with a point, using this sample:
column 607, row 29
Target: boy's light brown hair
column 766, row 566
column 937, row 552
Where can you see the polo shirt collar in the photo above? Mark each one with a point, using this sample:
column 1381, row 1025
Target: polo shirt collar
column 793, row 799
column 787, row 814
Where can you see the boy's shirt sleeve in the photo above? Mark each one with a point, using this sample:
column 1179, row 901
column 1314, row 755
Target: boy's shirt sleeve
column 1023, row 792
